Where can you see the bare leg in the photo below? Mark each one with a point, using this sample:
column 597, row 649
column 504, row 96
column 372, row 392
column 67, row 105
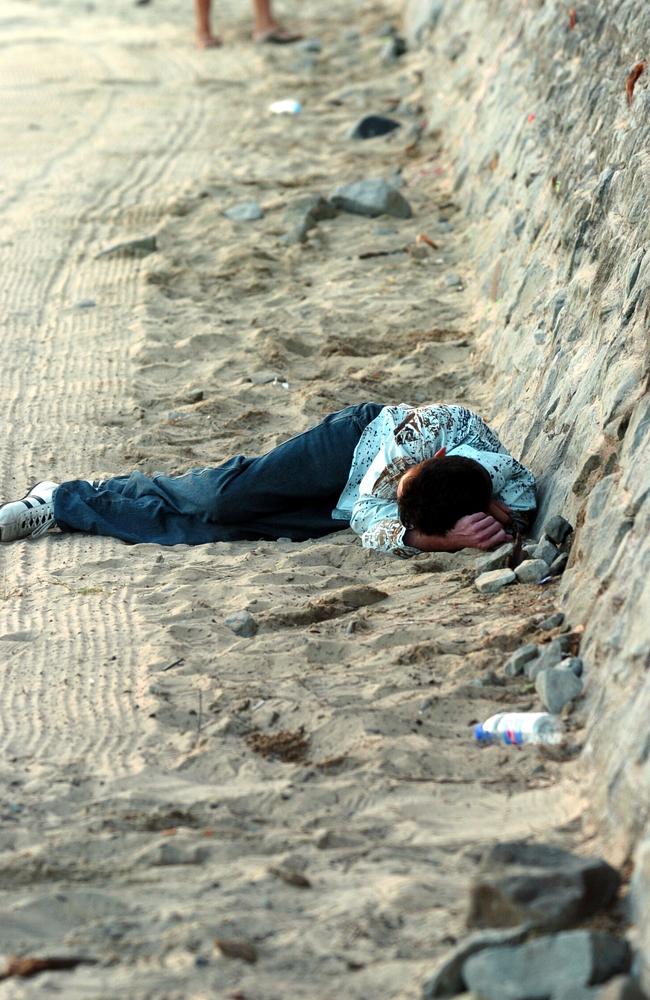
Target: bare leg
column 266, row 28
column 204, row 37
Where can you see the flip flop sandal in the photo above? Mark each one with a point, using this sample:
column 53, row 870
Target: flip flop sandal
column 277, row 36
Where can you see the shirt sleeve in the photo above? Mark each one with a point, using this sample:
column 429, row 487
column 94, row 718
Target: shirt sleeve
column 374, row 515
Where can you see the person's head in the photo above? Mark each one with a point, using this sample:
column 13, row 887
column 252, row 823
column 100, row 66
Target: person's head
column 435, row 494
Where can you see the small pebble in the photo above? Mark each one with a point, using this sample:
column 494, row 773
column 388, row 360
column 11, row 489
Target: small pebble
column 85, row 304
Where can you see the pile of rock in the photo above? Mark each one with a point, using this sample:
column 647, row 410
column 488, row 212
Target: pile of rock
column 554, row 667
column 527, row 899
column 543, row 559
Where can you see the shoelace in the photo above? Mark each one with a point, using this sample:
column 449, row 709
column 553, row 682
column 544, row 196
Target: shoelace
column 42, row 517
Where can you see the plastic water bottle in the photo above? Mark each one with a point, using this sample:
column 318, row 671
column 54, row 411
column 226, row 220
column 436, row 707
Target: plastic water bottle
column 517, row 728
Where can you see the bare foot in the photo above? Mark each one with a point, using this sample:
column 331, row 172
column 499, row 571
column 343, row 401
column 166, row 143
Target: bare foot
column 206, row 40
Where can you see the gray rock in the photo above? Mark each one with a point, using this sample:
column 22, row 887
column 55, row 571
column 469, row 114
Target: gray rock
column 242, row 623
column 447, row 980
column 304, row 214
column 546, row 550
column 540, row 969
column 540, row 885
column 557, row 687
column 558, row 565
column 453, row 280
column 140, row 247
column 531, row 571
column 557, row 529
column 528, row 549
column 525, row 654
column 495, row 580
column 496, row 559
column 551, row 655
column 245, row 211
column 371, row 198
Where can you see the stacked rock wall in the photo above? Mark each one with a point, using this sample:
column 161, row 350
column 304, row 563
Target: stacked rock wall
column 549, row 157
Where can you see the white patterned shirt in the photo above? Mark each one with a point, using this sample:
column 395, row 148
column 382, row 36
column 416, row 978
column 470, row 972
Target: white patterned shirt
column 402, row 436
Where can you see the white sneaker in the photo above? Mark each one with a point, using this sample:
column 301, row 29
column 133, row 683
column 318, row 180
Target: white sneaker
column 30, row 517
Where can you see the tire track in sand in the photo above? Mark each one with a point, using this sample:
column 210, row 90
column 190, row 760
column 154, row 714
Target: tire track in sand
column 70, row 664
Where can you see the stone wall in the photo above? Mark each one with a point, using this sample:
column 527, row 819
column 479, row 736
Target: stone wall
column 550, row 164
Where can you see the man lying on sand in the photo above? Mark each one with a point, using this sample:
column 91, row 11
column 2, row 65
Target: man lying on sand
column 406, row 479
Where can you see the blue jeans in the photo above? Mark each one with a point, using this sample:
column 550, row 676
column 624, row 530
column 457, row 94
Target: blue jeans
column 288, row 493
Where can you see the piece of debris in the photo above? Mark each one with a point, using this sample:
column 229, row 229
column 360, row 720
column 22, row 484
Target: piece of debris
column 24, row 966
column 630, row 83
column 286, row 746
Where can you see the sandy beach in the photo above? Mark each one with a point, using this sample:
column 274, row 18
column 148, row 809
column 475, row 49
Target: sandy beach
column 311, row 792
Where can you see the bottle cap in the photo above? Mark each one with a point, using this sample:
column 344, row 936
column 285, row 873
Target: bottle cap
column 481, row 735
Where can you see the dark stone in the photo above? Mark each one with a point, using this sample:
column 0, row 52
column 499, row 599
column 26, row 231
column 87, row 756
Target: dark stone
column 371, row 198
column 557, row 529
column 539, row 884
column 373, row 126
column 559, row 565
column 393, row 50
column 447, row 980
column 542, row 968
column 557, row 687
